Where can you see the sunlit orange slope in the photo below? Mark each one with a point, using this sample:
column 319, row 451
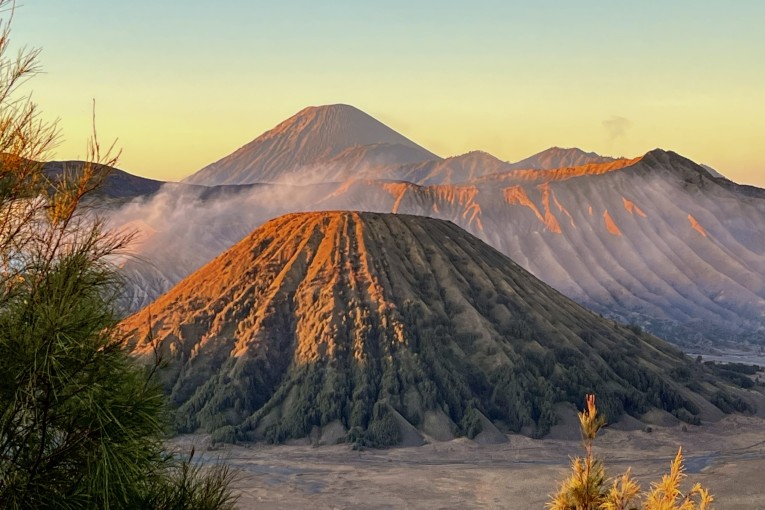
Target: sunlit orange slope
column 369, row 323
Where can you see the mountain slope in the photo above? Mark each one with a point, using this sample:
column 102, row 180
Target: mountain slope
column 378, row 162
column 119, row 184
column 310, row 138
column 539, row 176
column 334, row 143
column 454, row 170
column 378, row 324
column 655, row 241
column 557, row 157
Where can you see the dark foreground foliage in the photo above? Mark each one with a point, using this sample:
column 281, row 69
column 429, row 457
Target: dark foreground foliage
column 82, row 425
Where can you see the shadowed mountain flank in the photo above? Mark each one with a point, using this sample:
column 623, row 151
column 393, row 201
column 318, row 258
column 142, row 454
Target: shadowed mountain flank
column 118, row 184
column 383, row 327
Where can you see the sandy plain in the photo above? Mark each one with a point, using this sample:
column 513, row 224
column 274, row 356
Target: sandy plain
column 727, row 456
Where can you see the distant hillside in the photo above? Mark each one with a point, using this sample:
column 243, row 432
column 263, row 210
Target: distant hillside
column 119, row 184
column 656, row 241
column 557, row 157
column 301, row 149
column 454, row 170
column 384, row 327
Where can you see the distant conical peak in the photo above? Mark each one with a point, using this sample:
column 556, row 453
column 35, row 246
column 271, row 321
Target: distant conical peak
column 302, row 119
column 331, row 107
column 347, row 110
column 304, row 142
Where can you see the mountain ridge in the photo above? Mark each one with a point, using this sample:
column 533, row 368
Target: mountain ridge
column 338, row 142
column 558, row 157
column 119, row 183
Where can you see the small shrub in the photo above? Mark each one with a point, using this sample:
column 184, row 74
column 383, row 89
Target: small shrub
column 471, row 423
column 191, row 485
column 587, row 487
column 383, row 430
column 728, row 403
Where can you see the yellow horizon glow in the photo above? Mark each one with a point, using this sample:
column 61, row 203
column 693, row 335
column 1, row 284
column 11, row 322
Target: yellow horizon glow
column 171, row 147
column 183, row 87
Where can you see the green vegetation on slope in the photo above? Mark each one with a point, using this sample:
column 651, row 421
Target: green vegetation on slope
column 373, row 320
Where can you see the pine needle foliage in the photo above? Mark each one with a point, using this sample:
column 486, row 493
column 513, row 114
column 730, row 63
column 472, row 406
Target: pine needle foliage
column 587, row 488
column 82, row 425
column 666, row 494
column 190, row 485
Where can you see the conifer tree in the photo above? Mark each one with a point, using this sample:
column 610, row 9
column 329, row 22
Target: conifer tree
column 82, row 425
column 586, row 488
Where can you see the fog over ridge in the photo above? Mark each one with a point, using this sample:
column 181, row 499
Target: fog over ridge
column 659, row 242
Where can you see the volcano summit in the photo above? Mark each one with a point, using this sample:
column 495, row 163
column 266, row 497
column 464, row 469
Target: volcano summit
column 387, row 326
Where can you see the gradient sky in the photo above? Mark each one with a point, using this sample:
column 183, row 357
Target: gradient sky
column 181, row 84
